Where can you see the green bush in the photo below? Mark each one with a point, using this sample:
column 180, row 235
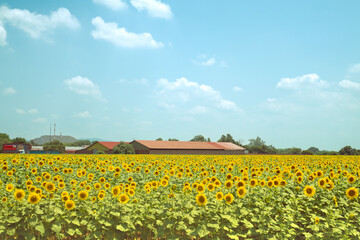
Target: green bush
column 123, row 148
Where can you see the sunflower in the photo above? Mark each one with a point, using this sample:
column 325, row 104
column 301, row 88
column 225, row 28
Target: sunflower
column 229, row 176
column 9, row 187
column 164, row 182
column 283, row 183
column 200, row 188
column 229, row 198
column 241, row 191
column 309, row 191
column 322, row 182
column 217, row 183
column 65, row 198
column 201, row 199
column 123, row 198
column 262, row 183
column 316, row 220
column 299, row 179
column 131, row 192
column 50, row 187
column 115, row 191
column 269, row 184
column 101, row 195
column 34, row 198
column 61, row 185
column 83, row 195
column 69, row 204
column 351, row 179
column 253, row 182
column 228, row 184
column 352, row 193
column 329, row 185
column 19, row 194
column 219, row 196
column 240, row 183
column 4, row 199
column 97, row 186
column 211, row 187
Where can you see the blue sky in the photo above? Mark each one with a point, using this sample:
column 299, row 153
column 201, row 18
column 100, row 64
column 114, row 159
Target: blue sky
column 287, row 71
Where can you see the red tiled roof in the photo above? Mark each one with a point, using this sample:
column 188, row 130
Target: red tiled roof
column 110, row 145
column 187, row 145
column 227, row 145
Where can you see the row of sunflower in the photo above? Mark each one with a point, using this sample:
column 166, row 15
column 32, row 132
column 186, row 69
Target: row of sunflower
column 162, row 196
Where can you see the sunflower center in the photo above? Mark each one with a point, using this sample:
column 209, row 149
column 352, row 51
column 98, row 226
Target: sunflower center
column 309, row 190
column 351, row 193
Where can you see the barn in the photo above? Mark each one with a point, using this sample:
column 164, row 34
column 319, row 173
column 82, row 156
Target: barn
column 106, row 147
column 183, row 147
column 16, row 148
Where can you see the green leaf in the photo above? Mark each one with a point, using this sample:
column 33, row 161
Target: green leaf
column 14, row 219
column 11, row 231
column 203, row 232
column 71, row 231
column 56, row 228
column 233, row 236
column 248, row 224
column 40, row 227
column 121, row 228
column 58, row 210
column 76, row 222
column 294, row 225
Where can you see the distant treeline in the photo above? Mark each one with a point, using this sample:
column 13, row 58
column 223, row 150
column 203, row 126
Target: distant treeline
column 255, row 145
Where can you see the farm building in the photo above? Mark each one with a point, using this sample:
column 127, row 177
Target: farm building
column 16, row 148
column 106, row 147
column 182, row 147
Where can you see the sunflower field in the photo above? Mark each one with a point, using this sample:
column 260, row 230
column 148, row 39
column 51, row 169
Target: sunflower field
column 179, row 197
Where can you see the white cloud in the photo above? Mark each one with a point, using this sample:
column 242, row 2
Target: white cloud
column 355, row 68
column 84, row 114
column 209, row 62
column 2, row 35
column 237, row 89
column 269, row 100
column 33, row 111
column 112, row 4
column 198, row 110
column 9, row 91
column 83, row 86
column 40, row 120
column 20, row 111
column 153, row 7
column 166, row 105
column 204, row 60
column 185, row 90
column 35, row 24
column 308, row 80
column 349, row 84
column 120, row 37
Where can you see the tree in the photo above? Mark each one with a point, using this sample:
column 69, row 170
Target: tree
column 173, row 139
column 4, row 138
column 159, row 139
column 295, row 151
column 198, row 138
column 257, row 142
column 208, row 139
column 347, row 150
column 79, row 143
column 123, row 148
column 18, row 140
column 307, row 152
column 55, row 146
column 314, row 150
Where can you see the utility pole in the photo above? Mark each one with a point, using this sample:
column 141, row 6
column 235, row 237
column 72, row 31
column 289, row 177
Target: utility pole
column 54, row 131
